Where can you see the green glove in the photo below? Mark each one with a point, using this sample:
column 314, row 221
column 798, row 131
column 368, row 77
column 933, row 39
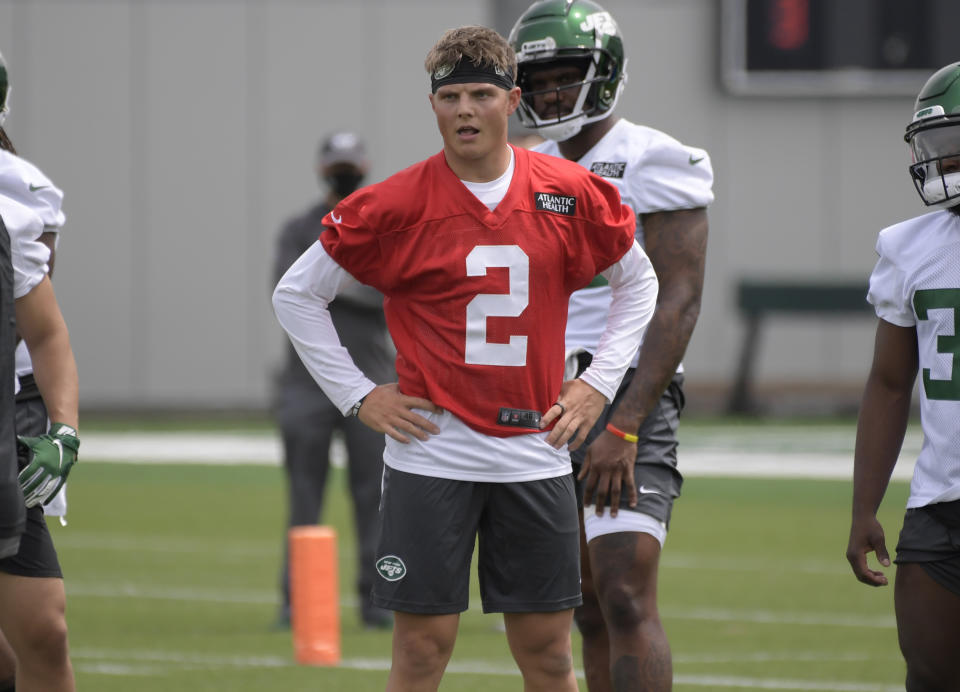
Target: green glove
column 50, row 458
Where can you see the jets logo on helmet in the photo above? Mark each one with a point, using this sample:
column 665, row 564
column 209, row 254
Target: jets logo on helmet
column 934, row 139
column 601, row 22
column 577, row 33
column 4, row 90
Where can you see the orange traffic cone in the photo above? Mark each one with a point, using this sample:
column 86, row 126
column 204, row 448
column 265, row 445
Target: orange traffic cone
column 314, row 595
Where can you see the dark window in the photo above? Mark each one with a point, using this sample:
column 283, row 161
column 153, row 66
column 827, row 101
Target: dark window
column 842, row 47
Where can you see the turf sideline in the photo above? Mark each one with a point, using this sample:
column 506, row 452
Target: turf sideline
column 266, row 450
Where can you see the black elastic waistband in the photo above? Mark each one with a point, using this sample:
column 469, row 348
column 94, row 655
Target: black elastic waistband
column 584, row 358
column 28, row 388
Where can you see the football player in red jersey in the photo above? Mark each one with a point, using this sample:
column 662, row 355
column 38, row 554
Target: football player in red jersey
column 476, row 250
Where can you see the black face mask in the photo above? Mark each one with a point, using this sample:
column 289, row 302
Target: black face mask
column 342, row 183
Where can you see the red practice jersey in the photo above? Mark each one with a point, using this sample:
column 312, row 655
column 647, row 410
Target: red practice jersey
column 476, row 300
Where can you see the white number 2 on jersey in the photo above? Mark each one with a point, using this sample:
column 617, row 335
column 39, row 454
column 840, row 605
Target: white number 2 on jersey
column 478, row 350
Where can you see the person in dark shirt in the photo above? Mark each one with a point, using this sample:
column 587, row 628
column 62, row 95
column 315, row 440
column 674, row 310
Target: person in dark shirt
column 306, row 416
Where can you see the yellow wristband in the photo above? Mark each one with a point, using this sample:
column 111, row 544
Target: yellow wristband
column 619, row 433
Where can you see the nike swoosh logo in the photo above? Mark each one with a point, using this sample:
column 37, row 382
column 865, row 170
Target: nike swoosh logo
column 693, row 161
column 59, row 449
column 644, row 490
column 336, row 219
column 34, row 188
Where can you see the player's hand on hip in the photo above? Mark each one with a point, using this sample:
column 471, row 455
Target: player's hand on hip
column 607, row 471
column 575, row 411
column 866, row 536
column 49, row 460
column 386, row 409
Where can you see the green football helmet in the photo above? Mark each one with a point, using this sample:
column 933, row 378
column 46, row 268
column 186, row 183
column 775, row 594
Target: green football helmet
column 934, row 139
column 4, row 90
column 560, row 32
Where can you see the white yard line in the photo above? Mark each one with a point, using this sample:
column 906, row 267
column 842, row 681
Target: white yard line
column 716, row 460
column 189, row 594
column 203, row 448
column 145, row 664
column 772, row 617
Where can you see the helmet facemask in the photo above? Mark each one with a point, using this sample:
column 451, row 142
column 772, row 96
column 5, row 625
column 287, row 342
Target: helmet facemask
column 936, row 164
column 584, row 100
column 933, row 136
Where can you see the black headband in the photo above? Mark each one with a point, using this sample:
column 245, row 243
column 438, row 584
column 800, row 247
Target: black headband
column 466, row 72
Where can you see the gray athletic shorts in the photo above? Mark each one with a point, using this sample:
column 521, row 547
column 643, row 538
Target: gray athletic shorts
column 930, row 537
column 656, row 475
column 528, row 550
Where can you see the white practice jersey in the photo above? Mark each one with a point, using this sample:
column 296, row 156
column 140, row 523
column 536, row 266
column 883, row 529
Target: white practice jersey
column 29, row 205
column 916, row 283
column 654, row 172
column 25, row 184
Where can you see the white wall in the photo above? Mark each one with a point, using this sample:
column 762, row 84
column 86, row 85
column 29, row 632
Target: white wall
column 183, row 133
column 803, row 186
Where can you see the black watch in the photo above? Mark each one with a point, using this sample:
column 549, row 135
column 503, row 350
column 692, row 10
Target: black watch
column 356, row 407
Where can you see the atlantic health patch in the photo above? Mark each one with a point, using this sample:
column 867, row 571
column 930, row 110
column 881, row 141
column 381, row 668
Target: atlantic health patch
column 558, row 204
column 609, row 169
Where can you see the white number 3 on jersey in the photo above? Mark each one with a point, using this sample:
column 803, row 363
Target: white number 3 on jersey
column 478, row 351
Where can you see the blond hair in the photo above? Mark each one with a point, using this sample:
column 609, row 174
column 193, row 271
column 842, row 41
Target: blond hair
column 478, row 44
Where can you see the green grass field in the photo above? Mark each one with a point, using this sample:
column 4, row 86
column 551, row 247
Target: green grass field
column 171, row 575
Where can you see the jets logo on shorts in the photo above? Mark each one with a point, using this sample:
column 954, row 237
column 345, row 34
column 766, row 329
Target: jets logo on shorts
column 391, row 568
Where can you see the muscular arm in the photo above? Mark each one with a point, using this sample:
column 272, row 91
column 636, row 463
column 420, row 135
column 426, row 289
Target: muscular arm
column 884, row 413
column 41, row 325
column 676, row 242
